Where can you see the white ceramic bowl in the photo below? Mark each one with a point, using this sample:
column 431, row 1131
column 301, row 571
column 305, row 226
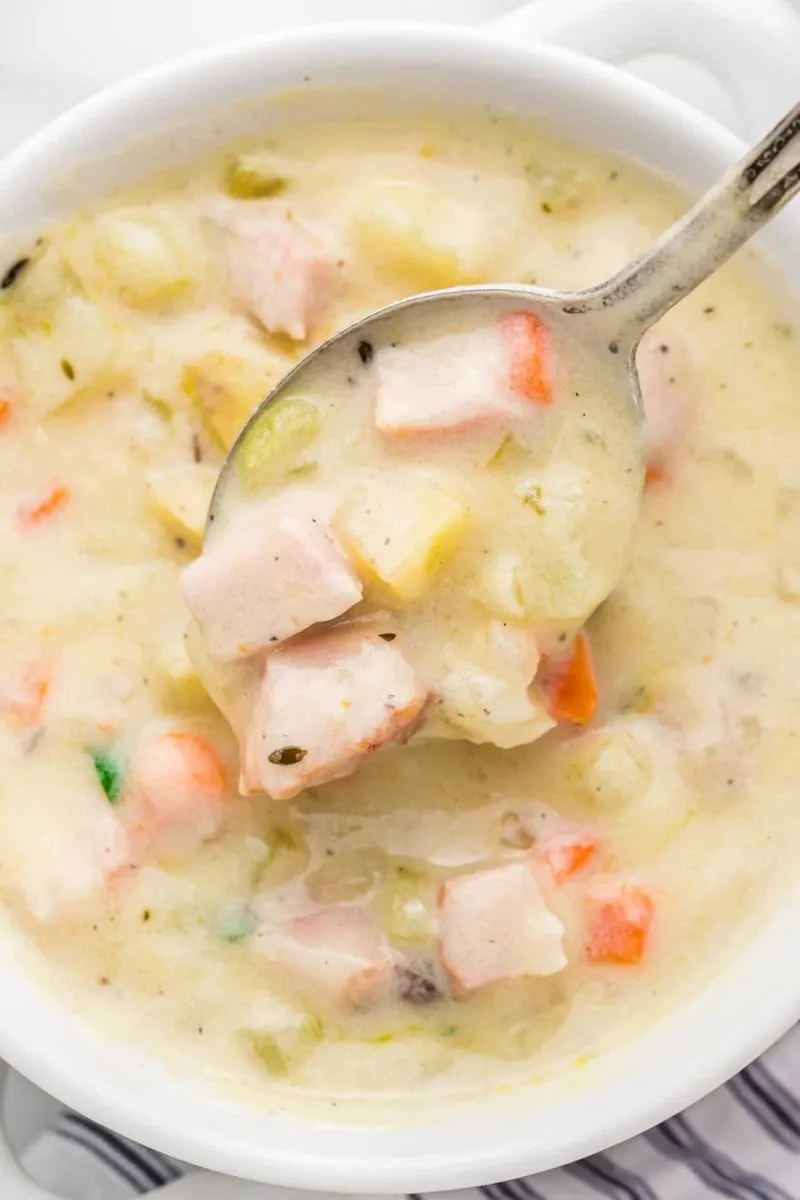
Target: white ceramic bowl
column 167, row 115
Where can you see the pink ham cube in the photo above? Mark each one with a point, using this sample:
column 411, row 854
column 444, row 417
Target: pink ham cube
column 336, row 950
column 277, row 269
column 325, row 704
column 267, row 579
column 493, row 926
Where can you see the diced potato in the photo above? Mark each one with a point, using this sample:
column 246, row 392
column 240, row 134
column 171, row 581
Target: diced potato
column 255, row 176
column 616, row 769
column 178, row 669
column 555, row 578
column 276, row 443
column 631, row 771
column 225, row 389
column 419, row 234
column 409, row 904
column 181, row 496
column 491, row 707
column 399, row 539
column 75, row 351
column 140, row 255
column 499, row 587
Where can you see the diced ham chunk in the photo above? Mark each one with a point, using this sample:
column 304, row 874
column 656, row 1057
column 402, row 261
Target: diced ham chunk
column 325, row 704
column 463, row 381
column 277, row 269
column 267, row 579
column 495, row 926
column 177, row 790
column 336, row 950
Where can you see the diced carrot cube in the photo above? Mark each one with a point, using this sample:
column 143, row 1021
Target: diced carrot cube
column 655, row 473
column 48, row 506
column 571, row 686
column 618, row 920
column 568, row 852
column 178, row 787
column 528, row 343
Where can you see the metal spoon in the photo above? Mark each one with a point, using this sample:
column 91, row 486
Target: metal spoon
column 611, row 317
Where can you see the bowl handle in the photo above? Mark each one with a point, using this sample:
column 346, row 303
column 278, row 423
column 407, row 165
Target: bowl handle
column 750, row 48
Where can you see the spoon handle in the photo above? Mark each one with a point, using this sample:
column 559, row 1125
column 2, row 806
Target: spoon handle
column 747, row 197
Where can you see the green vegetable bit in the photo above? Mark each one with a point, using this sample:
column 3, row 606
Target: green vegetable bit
column 235, row 923
column 277, row 1052
column 109, row 773
column 253, row 177
column 273, row 445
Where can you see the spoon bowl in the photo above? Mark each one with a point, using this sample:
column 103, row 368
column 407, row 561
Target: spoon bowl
column 602, row 324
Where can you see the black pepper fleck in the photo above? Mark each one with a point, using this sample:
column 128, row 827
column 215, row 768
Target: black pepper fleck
column 13, row 273
column 180, row 543
column 366, row 351
column 387, row 637
column 197, row 449
column 614, row 347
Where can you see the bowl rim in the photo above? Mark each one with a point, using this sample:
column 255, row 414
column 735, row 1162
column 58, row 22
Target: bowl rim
column 338, row 1160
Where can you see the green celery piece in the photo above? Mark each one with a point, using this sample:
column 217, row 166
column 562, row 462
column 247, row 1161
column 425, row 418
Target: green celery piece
column 109, row 773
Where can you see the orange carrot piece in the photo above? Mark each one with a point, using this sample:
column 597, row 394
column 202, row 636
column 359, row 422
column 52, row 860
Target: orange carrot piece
column 571, row 686
column 5, row 410
column 527, row 341
column 23, row 704
column 202, row 764
column 568, row 852
column 48, row 506
column 618, row 921
column 655, row 473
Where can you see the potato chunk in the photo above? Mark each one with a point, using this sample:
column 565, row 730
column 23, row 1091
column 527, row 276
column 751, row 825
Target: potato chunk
column 419, row 234
column 77, row 350
column 181, row 496
column 140, row 255
column 225, row 388
column 401, row 544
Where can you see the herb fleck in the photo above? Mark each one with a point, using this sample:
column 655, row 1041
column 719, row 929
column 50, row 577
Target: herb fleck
column 709, row 309
column 67, row 368
column 545, row 207
column 109, row 775
column 197, row 449
column 13, row 273
column 146, row 915
column 287, row 756
column 366, row 351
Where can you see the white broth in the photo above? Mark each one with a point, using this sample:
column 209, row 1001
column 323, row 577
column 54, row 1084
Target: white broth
column 452, row 915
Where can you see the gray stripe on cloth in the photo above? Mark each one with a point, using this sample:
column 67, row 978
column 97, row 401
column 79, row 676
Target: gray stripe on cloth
column 678, row 1140
column 153, row 1173
column 611, row 1179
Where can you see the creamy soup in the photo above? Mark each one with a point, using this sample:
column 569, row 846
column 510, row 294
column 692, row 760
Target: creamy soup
column 586, row 819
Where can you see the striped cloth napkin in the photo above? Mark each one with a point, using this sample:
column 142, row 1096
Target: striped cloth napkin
column 742, row 1141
